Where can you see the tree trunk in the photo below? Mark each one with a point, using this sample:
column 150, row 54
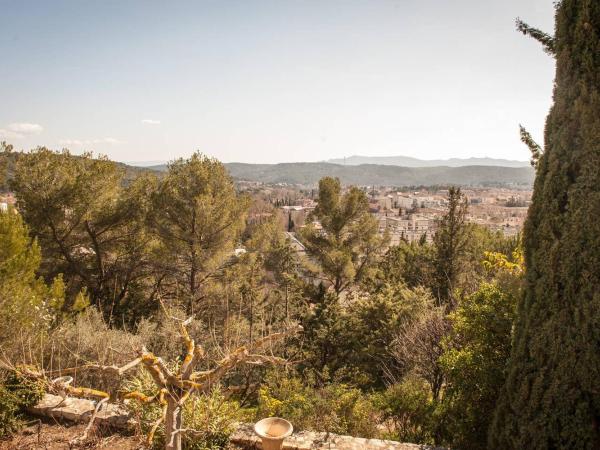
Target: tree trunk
column 251, row 316
column 287, row 302
column 173, row 422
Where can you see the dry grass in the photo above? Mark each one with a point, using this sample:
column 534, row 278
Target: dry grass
column 55, row 436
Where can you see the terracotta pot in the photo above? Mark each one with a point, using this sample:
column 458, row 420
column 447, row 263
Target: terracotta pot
column 61, row 385
column 62, row 381
column 272, row 431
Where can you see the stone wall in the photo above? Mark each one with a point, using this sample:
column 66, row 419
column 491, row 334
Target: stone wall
column 245, row 438
column 80, row 410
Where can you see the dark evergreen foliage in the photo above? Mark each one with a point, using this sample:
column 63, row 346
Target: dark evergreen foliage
column 545, row 39
column 551, row 398
column 535, row 148
column 451, row 238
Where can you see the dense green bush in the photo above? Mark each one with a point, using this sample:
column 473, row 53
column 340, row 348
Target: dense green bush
column 17, row 392
column 406, row 410
column 27, row 302
column 474, row 362
column 378, row 320
column 333, row 407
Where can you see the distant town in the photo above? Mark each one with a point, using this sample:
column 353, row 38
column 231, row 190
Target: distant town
column 406, row 214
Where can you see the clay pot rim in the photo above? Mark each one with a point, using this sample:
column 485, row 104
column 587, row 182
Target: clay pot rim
column 63, row 381
column 278, row 419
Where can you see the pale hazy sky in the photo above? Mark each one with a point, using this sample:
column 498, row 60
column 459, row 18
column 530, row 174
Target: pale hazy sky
column 273, row 81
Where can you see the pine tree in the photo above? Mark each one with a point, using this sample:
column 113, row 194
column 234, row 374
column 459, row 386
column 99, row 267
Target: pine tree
column 27, row 303
column 5, row 151
column 89, row 225
column 198, row 218
column 450, row 243
column 348, row 244
column 551, row 397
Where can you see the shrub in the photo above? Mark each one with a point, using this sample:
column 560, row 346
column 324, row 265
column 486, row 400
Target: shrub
column 211, row 415
column 88, row 339
column 335, row 407
column 474, row 361
column 407, row 409
column 17, row 392
column 27, row 302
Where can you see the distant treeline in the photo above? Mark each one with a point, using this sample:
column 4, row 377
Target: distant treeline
column 372, row 174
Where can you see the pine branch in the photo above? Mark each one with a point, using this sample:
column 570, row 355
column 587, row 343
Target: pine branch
column 547, row 41
column 535, row 148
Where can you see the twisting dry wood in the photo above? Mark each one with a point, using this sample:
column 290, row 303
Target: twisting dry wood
column 190, row 346
column 140, row 397
column 111, row 369
column 242, row 355
column 174, row 386
column 198, row 355
column 87, row 392
column 84, row 436
column 155, row 425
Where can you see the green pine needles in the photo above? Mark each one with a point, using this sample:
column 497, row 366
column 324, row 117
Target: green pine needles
column 551, row 398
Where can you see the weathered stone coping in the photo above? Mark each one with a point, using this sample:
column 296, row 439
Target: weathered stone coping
column 80, row 410
column 309, row 440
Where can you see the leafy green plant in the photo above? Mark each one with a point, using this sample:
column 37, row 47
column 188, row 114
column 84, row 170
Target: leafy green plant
column 17, row 392
column 474, row 361
column 26, row 301
column 406, row 410
column 334, row 407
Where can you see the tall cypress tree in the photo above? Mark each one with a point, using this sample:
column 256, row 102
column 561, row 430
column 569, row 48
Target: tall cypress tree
column 551, row 398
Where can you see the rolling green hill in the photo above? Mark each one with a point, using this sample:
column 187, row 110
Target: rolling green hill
column 363, row 174
column 8, row 160
column 373, row 174
column 407, row 161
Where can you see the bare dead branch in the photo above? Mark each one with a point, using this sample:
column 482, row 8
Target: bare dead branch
column 174, row 387
column 84, row 436
column 155, row 425
column 118, row 371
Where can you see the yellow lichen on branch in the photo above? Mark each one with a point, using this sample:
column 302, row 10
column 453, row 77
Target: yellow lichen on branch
column 190, row 347
column 138, row 396
column 174, row 386
column 156, row 424
column 86, row 392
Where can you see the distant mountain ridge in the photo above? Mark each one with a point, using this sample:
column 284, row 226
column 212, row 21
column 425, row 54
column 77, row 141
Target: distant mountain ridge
column 158, row 162
column 407, row 161
column 309, row 173
column 372, row 174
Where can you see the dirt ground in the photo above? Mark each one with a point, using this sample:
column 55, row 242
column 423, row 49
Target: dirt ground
column 55, row 436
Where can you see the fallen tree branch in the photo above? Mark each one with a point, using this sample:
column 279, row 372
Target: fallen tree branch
column 174, row 386
column 84, row 436
column 112, row 369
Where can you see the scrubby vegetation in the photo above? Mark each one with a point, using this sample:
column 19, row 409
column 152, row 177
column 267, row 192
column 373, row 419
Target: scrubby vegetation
column 17, row 393
column 162, row 289
column 391, row 335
